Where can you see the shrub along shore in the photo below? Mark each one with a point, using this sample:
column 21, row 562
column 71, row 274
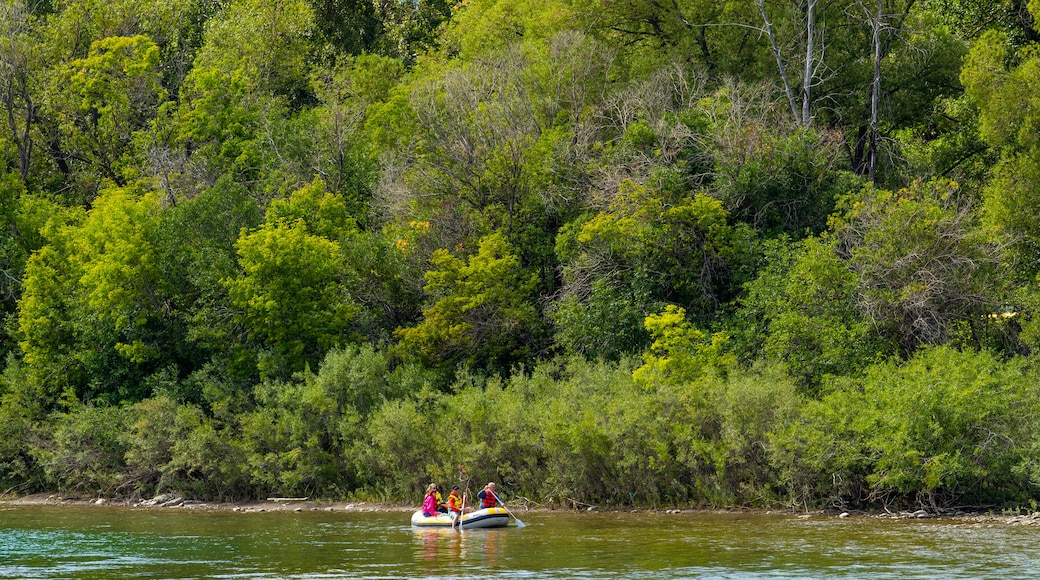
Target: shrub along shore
column 948, row 429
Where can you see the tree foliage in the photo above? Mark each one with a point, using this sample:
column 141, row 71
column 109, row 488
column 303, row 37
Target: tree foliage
column 481, row 309
column 612, row 253
column 294, row 294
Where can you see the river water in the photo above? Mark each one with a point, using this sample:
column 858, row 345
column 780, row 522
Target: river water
column 91, row 542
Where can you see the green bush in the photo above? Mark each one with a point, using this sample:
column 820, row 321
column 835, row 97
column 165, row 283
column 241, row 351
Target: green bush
column 752, row 406
column 152, row 433
column 209, row 463
column 300, row 437
column 18, row 470
column 18, row 411
column 484, row 433
column 819, row 458
column 398, row 455
column 86, row 449
column 175, row 447
column 946, row 428
column 949, row 428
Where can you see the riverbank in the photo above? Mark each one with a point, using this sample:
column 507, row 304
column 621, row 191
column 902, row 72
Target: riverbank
column 279, row 504
column 170, row 501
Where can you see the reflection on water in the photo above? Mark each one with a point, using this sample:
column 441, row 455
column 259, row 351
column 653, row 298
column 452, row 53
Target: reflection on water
column 446, row 549
column 98, row 542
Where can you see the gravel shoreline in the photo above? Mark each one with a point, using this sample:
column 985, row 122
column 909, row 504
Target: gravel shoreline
column 170, row 501
column 276, row 504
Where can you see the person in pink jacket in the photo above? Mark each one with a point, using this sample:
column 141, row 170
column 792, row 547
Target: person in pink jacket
column 429, row 504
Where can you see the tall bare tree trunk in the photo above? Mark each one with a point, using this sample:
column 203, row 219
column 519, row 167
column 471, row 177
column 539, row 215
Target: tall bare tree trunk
column 801, row 114
column 779, row 62
column 875, row 96
column 810, row 62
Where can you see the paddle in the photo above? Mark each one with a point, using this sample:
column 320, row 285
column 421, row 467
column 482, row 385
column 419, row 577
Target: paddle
column 463, row 477
column 519, row 524
column 458, row 518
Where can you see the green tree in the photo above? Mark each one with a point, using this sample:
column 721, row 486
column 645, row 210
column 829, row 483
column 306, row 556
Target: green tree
column 406, row 30
column 341, row 156
column 947, row 144
column 20, row 411
column 22, row 216
column 243, row 110
column 803, row 311
column 685, row 30
column 972, row 19
column 351, row 27
column 178, row 448
column 481, row 310
column 482, row 27
column 680, row 353
column 1003, row 85
column 602, row 324
column 302, row 437
column 773, row 175
column 20, row 56
column 91, row 316
column 292, row 295
column 475, row 145
column 877, row 66
column 195, row 249
column 267, row 43
column 104, row 98
column 644, row 251
column 78, row 144
column 486, row 145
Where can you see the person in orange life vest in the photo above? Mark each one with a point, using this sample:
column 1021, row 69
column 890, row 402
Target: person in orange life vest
column 454, row 502
column 487, row 496
column 430, row 501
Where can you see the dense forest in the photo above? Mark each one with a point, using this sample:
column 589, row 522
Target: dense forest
column 602, row 252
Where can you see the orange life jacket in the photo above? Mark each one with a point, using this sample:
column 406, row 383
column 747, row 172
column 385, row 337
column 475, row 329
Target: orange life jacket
column 454, row 502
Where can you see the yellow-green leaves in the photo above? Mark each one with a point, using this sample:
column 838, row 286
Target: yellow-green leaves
column 323, row 213
column 105, row 97
column 115, row 60
column 113, row 250
column 680, row 353
column 92, row 296
column 292, row 294
column 482, row 26
column 480, row 308
column 1007, row 92
column 265, row 42
column 1009, row 111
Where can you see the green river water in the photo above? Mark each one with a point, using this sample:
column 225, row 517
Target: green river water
column 99, row 542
